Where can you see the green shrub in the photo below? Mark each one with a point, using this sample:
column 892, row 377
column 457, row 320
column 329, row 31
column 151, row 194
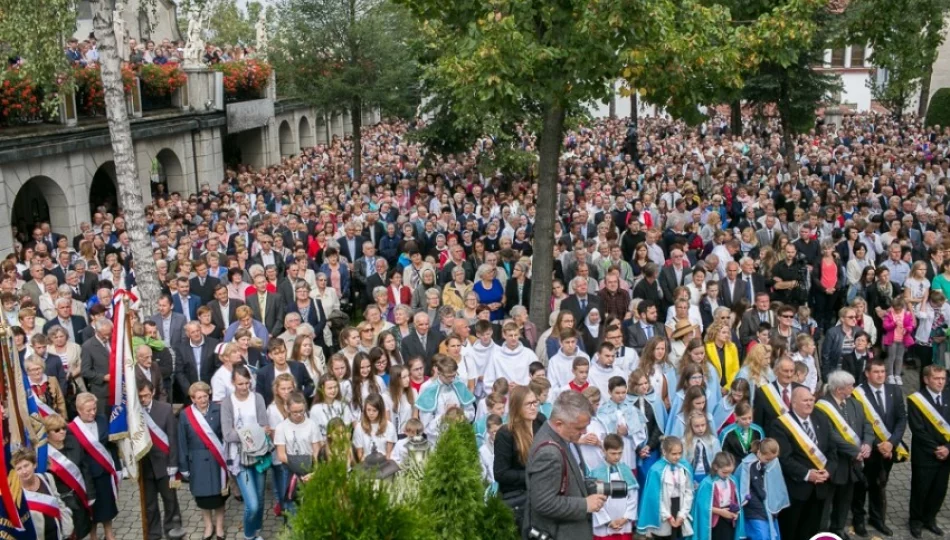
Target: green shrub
column 939, row 110
column 452, row 492
column 498, row 521
column 340, row 505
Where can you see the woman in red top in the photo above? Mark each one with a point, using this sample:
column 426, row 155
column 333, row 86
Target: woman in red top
column 827, row 284
column 398, row 293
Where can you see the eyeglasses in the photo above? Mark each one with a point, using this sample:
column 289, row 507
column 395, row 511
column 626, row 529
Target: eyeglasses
column 786, row 316
column 532, row 404
column 851, row 317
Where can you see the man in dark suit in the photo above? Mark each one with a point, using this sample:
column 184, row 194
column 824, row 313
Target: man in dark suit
column 223, row 309
column 798, row 432
column 351, row 244
column 267, row 256
column 751, row 319
column 674, row 274
column 752, row 279
column 88, row 282
column 378, row 279
column 73, row 324
column 840, row 407
column 54, row 363
column 243, row 234
column 196, row 359
column 929, row 451
column 277, row 352
column 580, row 303
column 60, row 270
column 556, row 503
column 158, row 466
column 184, row 302
column 363, row 268
column 170, row 324
column 639, row 332
column 731, row 288
column 147, row 371
column 266, row 307
column 774, row 399
column 202, row 285
column 373, row 230
column 422, row 341
column 95, row 363
column 887, row 403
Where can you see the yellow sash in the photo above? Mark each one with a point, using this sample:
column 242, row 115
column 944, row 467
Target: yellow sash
column 877, row 423
column 840, row 423
column 775, row 399
column 931, row 414
column 731, row 354
column 811, row 449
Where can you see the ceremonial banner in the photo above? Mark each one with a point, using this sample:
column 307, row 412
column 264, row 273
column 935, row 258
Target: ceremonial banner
column 127, row 425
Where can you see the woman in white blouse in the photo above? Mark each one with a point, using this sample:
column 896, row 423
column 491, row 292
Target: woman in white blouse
column 374, row 432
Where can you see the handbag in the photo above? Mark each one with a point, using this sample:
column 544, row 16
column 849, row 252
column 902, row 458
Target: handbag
column 256, row 446
column 299, row 464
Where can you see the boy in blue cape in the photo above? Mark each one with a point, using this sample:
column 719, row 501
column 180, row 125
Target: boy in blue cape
column 717, row 514
column 446, row 393
column 762, row 491
column 615, row 521
column 619, row 416
column 665, row 511
column 495, row 404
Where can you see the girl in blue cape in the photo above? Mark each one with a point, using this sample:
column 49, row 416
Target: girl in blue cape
column 717, row 514
column 694, row 400
column 762, row 491
column 615, row 520
column 738, row 437
column 724, row 414
column 443, row 394
column 691, row 375
column 700, row 446
column 650, row 405
column 620, row 417
column 667, row 502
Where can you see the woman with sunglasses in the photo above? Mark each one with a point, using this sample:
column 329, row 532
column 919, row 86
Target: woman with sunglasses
column 68, row 463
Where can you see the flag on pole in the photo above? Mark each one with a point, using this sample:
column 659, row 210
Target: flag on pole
column 127, row 425
column 15, row 520
column 24, row 420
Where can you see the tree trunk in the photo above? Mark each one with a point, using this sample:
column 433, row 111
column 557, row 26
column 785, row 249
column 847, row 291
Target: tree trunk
column 925, row 92
column 127, row 177
column 634, row 111
column 549, row 151
column 356, row 118
column 787, row 141
column 735, row 115
column 612, row 106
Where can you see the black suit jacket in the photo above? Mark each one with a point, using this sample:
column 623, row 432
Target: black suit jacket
column 278, row 262
column 762, row 412
column 88, row 283
column 232, row 242
column 372, row 282
column 54, row 368
column 217, row 318
column 572, row 304
column 78, row 324
column 894, row 414
column 852, row 411
column 317, row 317
column 187, row 371
column 669, row 283
column 273, row 319
column 795, row 462
column 636, row 338
column 380, row 233
column 412, row 346
column 156, row 462
column 204, row 292
column 345, row 248
column 267, row 374
column 855, row 367
column 727, row 298
column 511, row 295
column 925, row 437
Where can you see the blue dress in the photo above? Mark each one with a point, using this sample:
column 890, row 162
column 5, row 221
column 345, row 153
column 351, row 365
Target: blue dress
column 490, row 296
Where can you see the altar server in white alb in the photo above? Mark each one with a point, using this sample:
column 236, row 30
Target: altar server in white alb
column 511, row 360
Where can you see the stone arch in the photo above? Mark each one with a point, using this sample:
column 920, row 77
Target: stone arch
column 104, row 189
column 305, row 133
column 40, row 199
column 285, row 135
column 170, row 172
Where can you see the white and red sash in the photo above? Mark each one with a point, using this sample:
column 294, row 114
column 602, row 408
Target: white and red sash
column 96, row 451
column 210, row 440
column 47, row 505
column 159, row 437
column 69, row 473
column 45, row 410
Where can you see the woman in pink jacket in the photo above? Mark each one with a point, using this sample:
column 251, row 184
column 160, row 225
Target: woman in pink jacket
column 898, row 325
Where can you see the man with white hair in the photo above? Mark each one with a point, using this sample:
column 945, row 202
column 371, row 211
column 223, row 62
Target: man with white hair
column 846, row 415
column 581, row 302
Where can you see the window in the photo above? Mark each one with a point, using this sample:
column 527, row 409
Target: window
column 837, row 57
column 857, row 56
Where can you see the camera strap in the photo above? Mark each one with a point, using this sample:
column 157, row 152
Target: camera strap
column 564, row 476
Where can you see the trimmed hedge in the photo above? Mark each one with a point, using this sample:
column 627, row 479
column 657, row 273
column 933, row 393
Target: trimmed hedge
column 939, row 110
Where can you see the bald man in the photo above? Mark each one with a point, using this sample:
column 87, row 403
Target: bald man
column 808, row 454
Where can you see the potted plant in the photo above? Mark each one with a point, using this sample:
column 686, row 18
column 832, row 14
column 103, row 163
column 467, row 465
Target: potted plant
column 159, row 82
column 20, row 101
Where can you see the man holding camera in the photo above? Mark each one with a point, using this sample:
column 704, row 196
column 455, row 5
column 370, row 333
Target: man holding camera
column 559, row 505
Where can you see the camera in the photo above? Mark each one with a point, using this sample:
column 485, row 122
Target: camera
column 538, row 534
column 614, row 489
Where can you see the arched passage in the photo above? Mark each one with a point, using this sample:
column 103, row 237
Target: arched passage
column 40, row 199
column 305, row 133
column 286, row 137
column 168, row 173
column 103, row 191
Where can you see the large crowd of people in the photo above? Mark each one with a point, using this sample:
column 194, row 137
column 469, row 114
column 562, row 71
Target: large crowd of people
column 738, row 328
